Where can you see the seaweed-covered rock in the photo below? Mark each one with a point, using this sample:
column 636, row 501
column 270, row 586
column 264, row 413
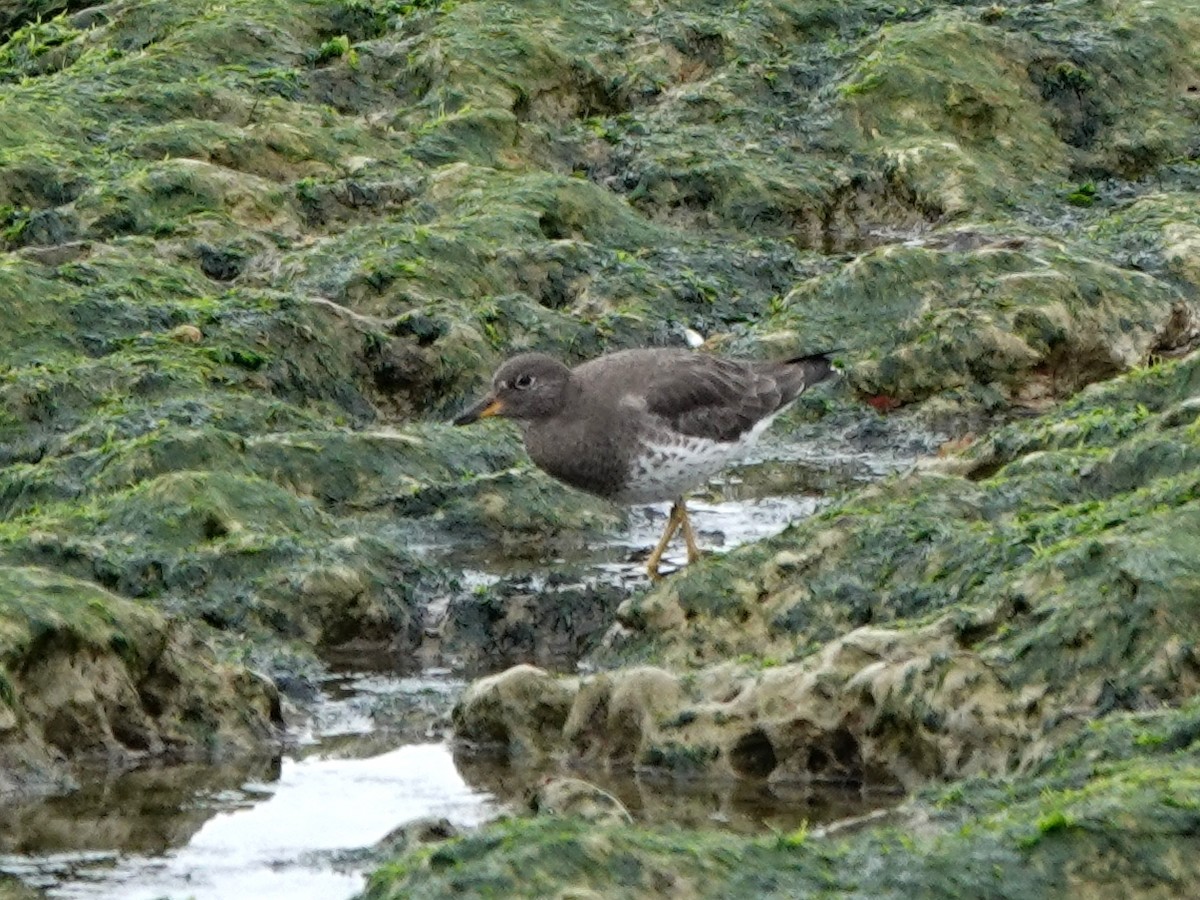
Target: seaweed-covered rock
column 86, row 673
column 251, row 251
column 519, row 712
column 13, row 889
column 552, row 622
column 614, row 717
column 576, row 798
column 420, row 832
column 1043, row 319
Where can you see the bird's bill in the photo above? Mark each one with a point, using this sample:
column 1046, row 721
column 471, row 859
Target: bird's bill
column 485, row 408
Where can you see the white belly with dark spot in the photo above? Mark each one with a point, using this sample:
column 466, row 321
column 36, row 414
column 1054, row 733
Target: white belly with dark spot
column 665, row 471
column 672, row 464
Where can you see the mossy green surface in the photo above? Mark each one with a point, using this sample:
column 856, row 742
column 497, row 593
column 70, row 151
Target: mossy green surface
column 1046, row 576
column 205, row 522
column 13, row 889
column 86, row 672
column 40, row 605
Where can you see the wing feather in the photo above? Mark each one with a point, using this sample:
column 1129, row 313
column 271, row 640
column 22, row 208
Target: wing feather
column 706, row 396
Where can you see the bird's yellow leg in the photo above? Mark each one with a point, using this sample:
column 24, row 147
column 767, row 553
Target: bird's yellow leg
column 668, row 533
column 689, row 533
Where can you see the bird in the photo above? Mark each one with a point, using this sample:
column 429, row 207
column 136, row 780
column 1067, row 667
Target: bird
column 644, row 425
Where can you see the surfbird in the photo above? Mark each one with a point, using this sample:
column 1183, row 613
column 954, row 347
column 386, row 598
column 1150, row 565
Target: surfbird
column 644, row 426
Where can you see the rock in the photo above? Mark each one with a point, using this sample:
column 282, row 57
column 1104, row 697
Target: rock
column 13, row 889
column 575, row 798
column 519, row 713
column 939, row 626
column 1030, row 330
column 417, row 716
column 419, row 832
column 989, row 208
column 862, row 712
column 86, row 674
column 614, row 717
column 551, row 622
column 186, row 334
column 344, row 605
column 997, row 836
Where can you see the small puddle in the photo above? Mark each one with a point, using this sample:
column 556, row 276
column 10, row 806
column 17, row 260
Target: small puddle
column 741, row 807
column 274, row 838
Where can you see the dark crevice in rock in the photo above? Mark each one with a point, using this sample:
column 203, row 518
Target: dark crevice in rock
column 584, row 94
column 834, row 757
column 708, row 47
column 1079, row 113
column 846, row 750
column 133, row 734
column 553, row 227
column 220, row 265
column 349, row 200
column 753, row 756
column 397, row 368
column 213, row 528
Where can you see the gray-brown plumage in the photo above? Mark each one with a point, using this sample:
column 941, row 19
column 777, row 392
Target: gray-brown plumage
column 642, row 426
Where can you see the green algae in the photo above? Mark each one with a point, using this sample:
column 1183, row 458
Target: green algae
column 942, row 624
column 232, row 154
column 942, row 88
column 14, row 889
column 1006, row 315
column 41, row 606
column 295, row 535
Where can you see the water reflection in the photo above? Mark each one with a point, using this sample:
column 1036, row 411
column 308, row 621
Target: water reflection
column 148, row 810
column 255, row 828
column 368, row 757
column 256, row 841
column 744, row 807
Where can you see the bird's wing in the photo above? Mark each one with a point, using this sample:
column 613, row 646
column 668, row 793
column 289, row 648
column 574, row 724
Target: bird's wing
column 706, row 396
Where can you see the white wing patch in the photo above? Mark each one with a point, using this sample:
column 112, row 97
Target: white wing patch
column 634, row 402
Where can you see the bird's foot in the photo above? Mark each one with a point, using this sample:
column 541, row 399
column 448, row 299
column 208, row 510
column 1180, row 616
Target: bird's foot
column 673, row 523
column 689, row 535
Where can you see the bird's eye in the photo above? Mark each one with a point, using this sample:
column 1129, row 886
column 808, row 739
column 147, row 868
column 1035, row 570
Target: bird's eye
column 523, row 381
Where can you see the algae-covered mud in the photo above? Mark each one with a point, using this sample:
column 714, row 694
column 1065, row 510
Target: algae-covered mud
column 253, row 254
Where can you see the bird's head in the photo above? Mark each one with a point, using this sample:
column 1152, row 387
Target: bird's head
column 527, row 387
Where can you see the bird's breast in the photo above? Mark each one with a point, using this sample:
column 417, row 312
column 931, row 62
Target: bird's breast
column 582, row 454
